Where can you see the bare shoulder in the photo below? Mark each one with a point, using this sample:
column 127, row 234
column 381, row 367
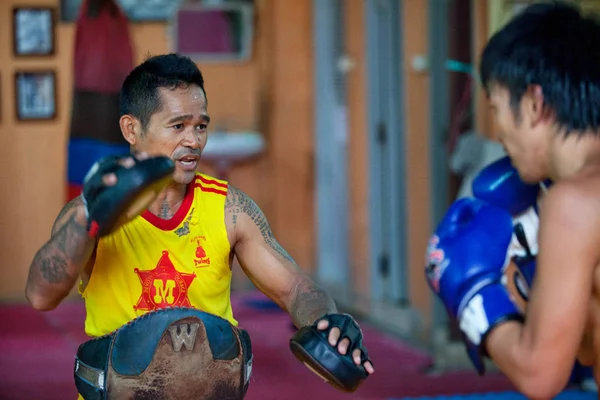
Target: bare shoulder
column 569, row 230
column 66, row 213
column 580, row 191
column 574, row 206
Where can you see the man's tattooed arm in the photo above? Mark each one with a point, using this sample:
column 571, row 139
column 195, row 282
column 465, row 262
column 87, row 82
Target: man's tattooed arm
column 273, row 271
column 57, row 265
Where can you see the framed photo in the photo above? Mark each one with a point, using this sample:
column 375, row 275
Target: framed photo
column 35, row 93
column 33, row 31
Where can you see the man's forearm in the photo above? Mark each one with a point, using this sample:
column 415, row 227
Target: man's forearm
column 309, row 302
column 503, row 345
column 533, row 374
column 57, row 265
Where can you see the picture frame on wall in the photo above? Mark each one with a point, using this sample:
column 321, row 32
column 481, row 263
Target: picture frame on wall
column 35, row 95
column 33, row 31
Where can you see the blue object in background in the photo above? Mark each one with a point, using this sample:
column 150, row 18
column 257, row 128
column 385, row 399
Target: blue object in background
column 566, row 395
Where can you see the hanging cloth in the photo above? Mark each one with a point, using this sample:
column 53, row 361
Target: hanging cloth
column 103, row 58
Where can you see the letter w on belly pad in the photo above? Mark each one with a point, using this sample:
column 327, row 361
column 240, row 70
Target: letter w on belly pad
column 183, row 334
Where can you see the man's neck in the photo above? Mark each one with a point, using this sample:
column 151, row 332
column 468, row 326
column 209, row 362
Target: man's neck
column 168, row 201
column 571, row 155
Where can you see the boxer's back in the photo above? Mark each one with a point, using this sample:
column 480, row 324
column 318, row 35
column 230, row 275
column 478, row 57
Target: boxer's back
column 588, row 181
column 589, row 353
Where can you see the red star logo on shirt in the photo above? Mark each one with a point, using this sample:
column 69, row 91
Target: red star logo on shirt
column 163, row 286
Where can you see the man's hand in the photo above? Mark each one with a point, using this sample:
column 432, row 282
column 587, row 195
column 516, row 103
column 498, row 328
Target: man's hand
column 342, row 345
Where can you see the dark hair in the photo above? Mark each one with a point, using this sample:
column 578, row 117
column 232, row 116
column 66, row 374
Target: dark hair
column 139, row 94
column 552, row 45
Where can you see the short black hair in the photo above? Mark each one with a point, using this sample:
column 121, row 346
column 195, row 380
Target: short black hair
column 554, row 45
column 139, row 94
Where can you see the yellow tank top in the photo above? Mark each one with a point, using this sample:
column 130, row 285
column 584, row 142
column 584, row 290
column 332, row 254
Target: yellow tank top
column 151, row 263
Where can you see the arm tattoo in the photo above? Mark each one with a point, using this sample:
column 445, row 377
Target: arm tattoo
column 238, row 202
column 310, row 303
column 65, row 211
column 61, row 258
column 54, row 269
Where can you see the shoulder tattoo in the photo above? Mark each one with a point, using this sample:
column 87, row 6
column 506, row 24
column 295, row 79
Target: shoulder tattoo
column 238, row 203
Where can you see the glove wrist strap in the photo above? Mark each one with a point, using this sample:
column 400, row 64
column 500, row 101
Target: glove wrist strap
column 488, row 308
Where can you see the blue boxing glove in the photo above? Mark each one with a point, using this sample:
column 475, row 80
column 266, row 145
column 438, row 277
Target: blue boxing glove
column 499, row 184
column 466, row 257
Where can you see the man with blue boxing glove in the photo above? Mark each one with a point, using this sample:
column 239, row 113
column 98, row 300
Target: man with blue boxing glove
column 499, row 184
column 543, row 82
column 500, row 225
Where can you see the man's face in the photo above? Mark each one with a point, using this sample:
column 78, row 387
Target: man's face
column 178, row 130
column 525, row 134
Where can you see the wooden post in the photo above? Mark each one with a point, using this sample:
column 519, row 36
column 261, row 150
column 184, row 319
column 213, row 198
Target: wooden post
column 480, row 15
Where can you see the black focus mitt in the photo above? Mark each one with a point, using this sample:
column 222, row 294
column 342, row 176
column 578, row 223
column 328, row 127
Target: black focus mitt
column 311, row 346
column 108, row 207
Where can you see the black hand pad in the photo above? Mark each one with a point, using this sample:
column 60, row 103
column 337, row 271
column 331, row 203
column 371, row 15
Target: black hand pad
column 311, row 346
column 111, row 206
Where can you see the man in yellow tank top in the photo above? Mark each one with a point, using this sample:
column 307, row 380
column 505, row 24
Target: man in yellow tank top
column 179, row 252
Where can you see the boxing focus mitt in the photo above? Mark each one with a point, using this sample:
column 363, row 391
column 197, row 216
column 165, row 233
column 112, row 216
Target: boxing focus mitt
column 465, row 260
column 311, row 346
column 108, row 207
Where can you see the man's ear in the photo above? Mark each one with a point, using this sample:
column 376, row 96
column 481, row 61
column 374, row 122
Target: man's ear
column 131, row 128
column 532, row 105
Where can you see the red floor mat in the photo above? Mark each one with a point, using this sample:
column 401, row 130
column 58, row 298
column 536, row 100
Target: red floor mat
column 37, row 350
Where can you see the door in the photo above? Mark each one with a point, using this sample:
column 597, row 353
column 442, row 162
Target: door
column 331, row 145
column 386, row 151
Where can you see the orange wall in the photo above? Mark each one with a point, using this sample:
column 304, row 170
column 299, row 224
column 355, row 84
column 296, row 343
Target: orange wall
column 416, row 99
column 290, row 109
column 32, row 156
column 483, row 120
